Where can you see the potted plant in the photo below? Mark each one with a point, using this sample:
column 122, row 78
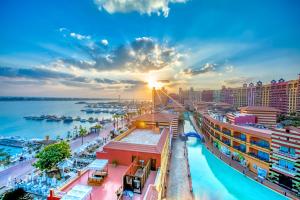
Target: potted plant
column 115, row 163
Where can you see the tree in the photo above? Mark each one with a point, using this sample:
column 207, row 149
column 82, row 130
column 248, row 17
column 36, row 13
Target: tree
column 4, row 157
column 51, row 155
column 17, row 194
column 82, row 133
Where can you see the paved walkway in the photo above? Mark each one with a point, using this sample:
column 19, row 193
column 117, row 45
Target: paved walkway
column 25, row 167
column 178, row 187
column 241, row 168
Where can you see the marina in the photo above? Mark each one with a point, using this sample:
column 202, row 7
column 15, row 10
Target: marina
column 38, row 119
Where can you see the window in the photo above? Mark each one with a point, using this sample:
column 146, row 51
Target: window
column 287, row 150
column 286, row 164
column 292, row 151
column 284, row 149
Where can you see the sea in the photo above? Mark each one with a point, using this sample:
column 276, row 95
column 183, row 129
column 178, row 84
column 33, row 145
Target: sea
column 13, row 123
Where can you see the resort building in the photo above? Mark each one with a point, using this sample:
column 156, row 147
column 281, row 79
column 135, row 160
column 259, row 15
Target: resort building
column 133, row 165
column 285, row 158
column 258, row 94
column 265, row 101
column 251, row 94
column 292, row 96
column 298, row 95
column 265, row 115
column 279, row 94
column 207, row 95
column 271, row 153
column 227, row 95
column 250, row 145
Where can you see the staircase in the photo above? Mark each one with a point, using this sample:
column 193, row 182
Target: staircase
column 174, row 127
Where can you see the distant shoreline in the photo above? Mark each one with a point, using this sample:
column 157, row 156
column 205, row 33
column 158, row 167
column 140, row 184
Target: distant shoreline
column 52, row 99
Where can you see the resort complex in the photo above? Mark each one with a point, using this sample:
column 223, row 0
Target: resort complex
column 283, row 95
column 149, row 100
column 167, row 149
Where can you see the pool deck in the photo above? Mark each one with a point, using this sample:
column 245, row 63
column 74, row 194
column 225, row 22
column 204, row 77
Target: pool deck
column 240, row 168
column 179, row 184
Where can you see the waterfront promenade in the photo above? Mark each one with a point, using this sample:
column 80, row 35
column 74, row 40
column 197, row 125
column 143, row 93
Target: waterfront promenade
column 21, row 169
column 178, row 186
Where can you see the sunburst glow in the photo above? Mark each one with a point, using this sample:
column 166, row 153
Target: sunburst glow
column 154, row 84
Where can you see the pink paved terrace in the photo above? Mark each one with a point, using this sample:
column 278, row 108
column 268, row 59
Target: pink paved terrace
column 108, row 188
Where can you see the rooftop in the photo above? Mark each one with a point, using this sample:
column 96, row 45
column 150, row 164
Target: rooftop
column 134, row 140
column 155, row 117
column 108, row 188
column 259, row 132
column 142, row 136
column 259, row 108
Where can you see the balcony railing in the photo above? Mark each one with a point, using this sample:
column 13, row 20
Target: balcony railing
column 227, row 132
column 240, row 149
column 217, row 128
column 227, row 142
column 260, row 144
column 292, row 172
column 283, row 153
column 258, row 157
column 240, row 138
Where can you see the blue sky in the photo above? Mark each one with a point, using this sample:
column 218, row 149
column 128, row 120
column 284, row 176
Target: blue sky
column 105, row 48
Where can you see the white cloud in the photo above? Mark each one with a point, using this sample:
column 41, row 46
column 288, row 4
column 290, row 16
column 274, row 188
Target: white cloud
column 79, row 36
column 104, row 42
column 141, row 6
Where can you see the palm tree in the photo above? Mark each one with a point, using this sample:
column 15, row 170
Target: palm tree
column 82, row 133
column 98, row 127
column 116, row 116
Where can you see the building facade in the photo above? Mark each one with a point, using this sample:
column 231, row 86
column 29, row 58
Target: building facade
column 285, row 158
column 281, row 94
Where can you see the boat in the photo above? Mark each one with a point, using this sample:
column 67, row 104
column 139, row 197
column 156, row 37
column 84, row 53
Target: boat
column 97, row 111
column 89, row 110
column 53, row 119
column 83, row 120
column 77, row 119
column 91, row 120
column 68, row 120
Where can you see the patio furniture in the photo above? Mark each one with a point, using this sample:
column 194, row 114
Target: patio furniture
column 101, row 170
column 78, row 192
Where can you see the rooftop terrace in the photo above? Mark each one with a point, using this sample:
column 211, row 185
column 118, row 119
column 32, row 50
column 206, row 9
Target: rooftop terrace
column 142, row 136
column 109, row 186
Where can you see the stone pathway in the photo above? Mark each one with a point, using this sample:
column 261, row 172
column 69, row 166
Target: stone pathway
column 178, row 186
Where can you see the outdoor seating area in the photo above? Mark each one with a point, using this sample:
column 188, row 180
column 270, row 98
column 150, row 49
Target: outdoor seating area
column 100, row 171
column 79, row 192
column 109, row 185
column 136, row 176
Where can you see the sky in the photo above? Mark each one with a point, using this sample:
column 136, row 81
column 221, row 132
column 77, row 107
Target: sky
column 106, row 48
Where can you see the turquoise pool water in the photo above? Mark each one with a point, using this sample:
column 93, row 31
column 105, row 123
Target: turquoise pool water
column 212, row 179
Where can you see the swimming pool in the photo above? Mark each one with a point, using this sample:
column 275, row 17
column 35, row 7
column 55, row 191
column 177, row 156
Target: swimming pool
column 212, row 179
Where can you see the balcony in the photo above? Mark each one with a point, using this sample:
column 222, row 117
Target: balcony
column 240, row 138
column 258, row 157
column 227, row 132
column 286, row 154
column 261, row 143
column 217, row 128
column 240, row 149
column 227, row 142
column 292, row 172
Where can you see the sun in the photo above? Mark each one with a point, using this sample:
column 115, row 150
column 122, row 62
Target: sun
column 154, row 84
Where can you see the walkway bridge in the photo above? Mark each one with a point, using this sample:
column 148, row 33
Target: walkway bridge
column 194, row 134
